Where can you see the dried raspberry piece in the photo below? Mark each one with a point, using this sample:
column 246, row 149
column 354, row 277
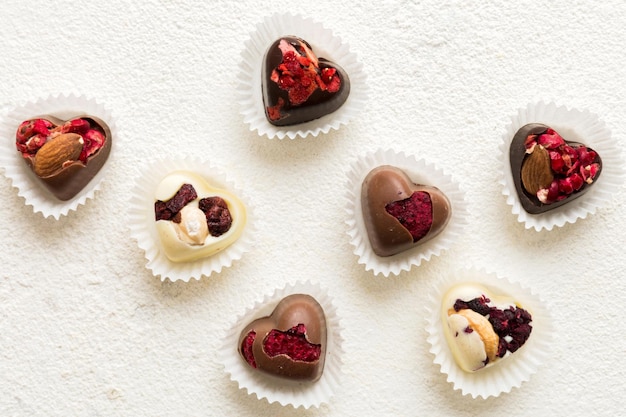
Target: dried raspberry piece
column 246, row 348
column 167, row 210
column 80, row 126
column 292, row 343
column 31, row 135
column 414, row 213
column 217, row 214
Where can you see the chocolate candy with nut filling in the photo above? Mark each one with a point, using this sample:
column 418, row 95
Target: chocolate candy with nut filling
column 399, row 214
column 289, row 343
column 549, row 171
column 298, row 86
column 65, row 155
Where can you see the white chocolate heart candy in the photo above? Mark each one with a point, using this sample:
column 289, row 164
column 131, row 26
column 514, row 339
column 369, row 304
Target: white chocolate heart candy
column 481, row 328
column 192, row 230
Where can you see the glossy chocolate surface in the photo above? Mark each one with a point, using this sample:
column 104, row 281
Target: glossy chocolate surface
column 68, row 182
column 517, row 153
column 387, row 184
column 318, row 104
column 291, row 311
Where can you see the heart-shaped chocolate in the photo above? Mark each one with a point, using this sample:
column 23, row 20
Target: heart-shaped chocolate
column 194, row 219
column 298, row 86
column 399, row 214
column 289, row 343
column 482, row 328
column 65, row 155
column 549, row 171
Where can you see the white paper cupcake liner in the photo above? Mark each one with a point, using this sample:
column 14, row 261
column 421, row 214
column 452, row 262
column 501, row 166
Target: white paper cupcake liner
column 509, row 372
column 324, row 44
column 282, row 391
column 573, row 125
column 29, row 187
column 421, row 172
column 143, row 226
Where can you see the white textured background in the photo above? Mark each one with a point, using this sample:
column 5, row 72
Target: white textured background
column 86, row 330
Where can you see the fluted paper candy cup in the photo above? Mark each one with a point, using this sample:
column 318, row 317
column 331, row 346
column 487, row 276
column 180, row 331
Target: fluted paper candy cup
column 420, row 172
column 506, row 373
column 61, row 108
column 284, row 391
column 149, row 235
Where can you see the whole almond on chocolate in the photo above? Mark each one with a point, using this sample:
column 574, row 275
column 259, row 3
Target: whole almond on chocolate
column 536, row 171
column 57, row 153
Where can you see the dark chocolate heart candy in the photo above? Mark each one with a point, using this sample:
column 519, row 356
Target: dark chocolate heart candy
column 64, row 155
column 399, row 214
column 298, row 86
column 549, row 171
column 289, row 343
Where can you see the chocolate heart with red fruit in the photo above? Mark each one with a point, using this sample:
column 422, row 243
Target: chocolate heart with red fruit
column 72, row 151
column 298, row 86
column 481, row 327
column 289, row 343
column 399, row 214
column 549, row 171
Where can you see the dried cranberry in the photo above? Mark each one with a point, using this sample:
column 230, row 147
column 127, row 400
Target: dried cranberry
column 167, row 210
column 217, row 214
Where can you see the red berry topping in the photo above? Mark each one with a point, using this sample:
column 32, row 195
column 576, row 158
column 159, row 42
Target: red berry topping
column 414, row 213
column 292, row 343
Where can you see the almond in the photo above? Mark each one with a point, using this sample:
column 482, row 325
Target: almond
column 536, row 171
column 57, row 153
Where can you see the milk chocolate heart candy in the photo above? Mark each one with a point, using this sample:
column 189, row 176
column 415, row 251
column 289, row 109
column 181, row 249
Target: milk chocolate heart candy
column 65, row 155
column 298, row 86
column 194, row 219
column 482, row 328
column 399, row 214
column 289, row 343
column 549, row 171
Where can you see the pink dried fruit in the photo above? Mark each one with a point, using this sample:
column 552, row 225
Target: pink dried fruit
column 246, row 348
column 414, row 213
column 292, row 343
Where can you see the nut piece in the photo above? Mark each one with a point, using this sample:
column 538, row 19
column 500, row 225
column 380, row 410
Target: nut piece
column 536, row 171
column 193, row 228
column 57, row 153
column 481, row 325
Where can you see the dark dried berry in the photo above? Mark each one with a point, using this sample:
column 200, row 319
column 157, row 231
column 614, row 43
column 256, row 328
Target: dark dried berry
column 217, row 214
column 479, row 305
column 167, row 210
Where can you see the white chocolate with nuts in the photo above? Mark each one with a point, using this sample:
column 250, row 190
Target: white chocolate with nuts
column 190, row 239
column 470, row 336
